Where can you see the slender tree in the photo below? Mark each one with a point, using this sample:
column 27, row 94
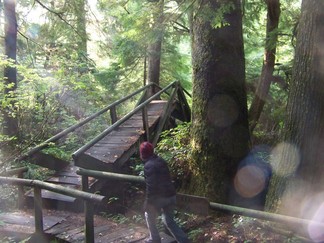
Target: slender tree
column 298, row 165
column 10, row 126
column 261, row 94
column 155, row 45
column 220, row 133
column 1, row 24
column 81, row 26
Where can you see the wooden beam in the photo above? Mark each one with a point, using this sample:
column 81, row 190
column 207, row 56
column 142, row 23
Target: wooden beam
column 38, row 205
column 55, row 188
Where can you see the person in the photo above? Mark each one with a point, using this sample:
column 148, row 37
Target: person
column 160, row 195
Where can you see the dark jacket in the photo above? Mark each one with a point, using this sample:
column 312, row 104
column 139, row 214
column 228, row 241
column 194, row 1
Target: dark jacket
column 158, row 179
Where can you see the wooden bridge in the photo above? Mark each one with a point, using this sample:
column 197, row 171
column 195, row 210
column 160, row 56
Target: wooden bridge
column 110, row 149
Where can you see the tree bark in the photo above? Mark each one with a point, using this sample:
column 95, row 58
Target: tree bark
column 220, row 133
column 81, row 26
column 10, row 122
column 263, row 87
column 299, row 172
column 154, row 49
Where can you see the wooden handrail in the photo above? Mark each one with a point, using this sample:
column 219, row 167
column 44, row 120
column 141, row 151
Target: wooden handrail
column 19, row 172
column 81, row 150
column 38, row 185
column 110, row 175
column 111, row 108
column 166, row 113
column 54, row 188
column 15, row 171
column 212, row 205
column 81, row 123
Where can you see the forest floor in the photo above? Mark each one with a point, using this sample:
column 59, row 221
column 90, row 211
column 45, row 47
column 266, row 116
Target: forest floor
column 235, row 228
column 232, row 228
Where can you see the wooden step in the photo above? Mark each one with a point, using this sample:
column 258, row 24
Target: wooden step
column 111, row 152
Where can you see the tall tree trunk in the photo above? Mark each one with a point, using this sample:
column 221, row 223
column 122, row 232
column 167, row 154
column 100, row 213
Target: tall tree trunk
column 263, row 87
column 10, row 126
column 81, row 26
column 1, row 24
column 154, row 48
column 220, row 133
column 300, row 168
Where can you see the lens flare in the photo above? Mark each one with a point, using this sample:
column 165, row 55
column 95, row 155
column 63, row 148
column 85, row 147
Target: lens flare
column 249, row 181
column 315, row 231
column 284, row 159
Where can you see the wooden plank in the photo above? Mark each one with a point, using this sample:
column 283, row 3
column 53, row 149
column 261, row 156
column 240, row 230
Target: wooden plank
column 114, row 147
column 193, row 204
column 113, row 139
column 88, row 162
column 72, row 234
column 70, row 170
column 125, row 157
column 20, row 222
column 107, row 157
column 72, row 180
column 53, row 196
column 48, row 161
column 127, row 132
column 110, row 146
column 59, row 228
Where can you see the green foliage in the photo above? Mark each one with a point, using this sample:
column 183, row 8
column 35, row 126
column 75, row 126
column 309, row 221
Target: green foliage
column 59, row 84
column 36, row 172
column 138, row 169
column 193, row 234
column 132, row 33
column 219, row 21
column 174, row 146
column 8, row 197
column 254, row 27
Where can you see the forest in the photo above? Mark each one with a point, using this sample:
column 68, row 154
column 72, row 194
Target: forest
column 254, row 70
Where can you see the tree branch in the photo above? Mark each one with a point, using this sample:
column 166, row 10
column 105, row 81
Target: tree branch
column 184, row 28
column 48, row 9
column 59, row 15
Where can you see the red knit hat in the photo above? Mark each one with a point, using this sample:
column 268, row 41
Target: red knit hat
column 146, row 150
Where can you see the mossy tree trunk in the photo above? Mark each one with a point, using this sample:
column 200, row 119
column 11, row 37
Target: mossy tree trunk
column 220, row 134
column 155, row 45
column 298, row 169
column 10, row 121
column 81, row 27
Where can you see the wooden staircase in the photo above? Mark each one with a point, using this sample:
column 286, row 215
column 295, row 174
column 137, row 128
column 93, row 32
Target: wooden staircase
column 112, row 148
column 112, row 151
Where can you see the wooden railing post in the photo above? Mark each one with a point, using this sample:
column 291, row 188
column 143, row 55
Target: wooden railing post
column 145, row 123
column 20, row 191
column 166, row 114
column 38, row 210
column 113, row 114
column 89, row 212
column 89, row 225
